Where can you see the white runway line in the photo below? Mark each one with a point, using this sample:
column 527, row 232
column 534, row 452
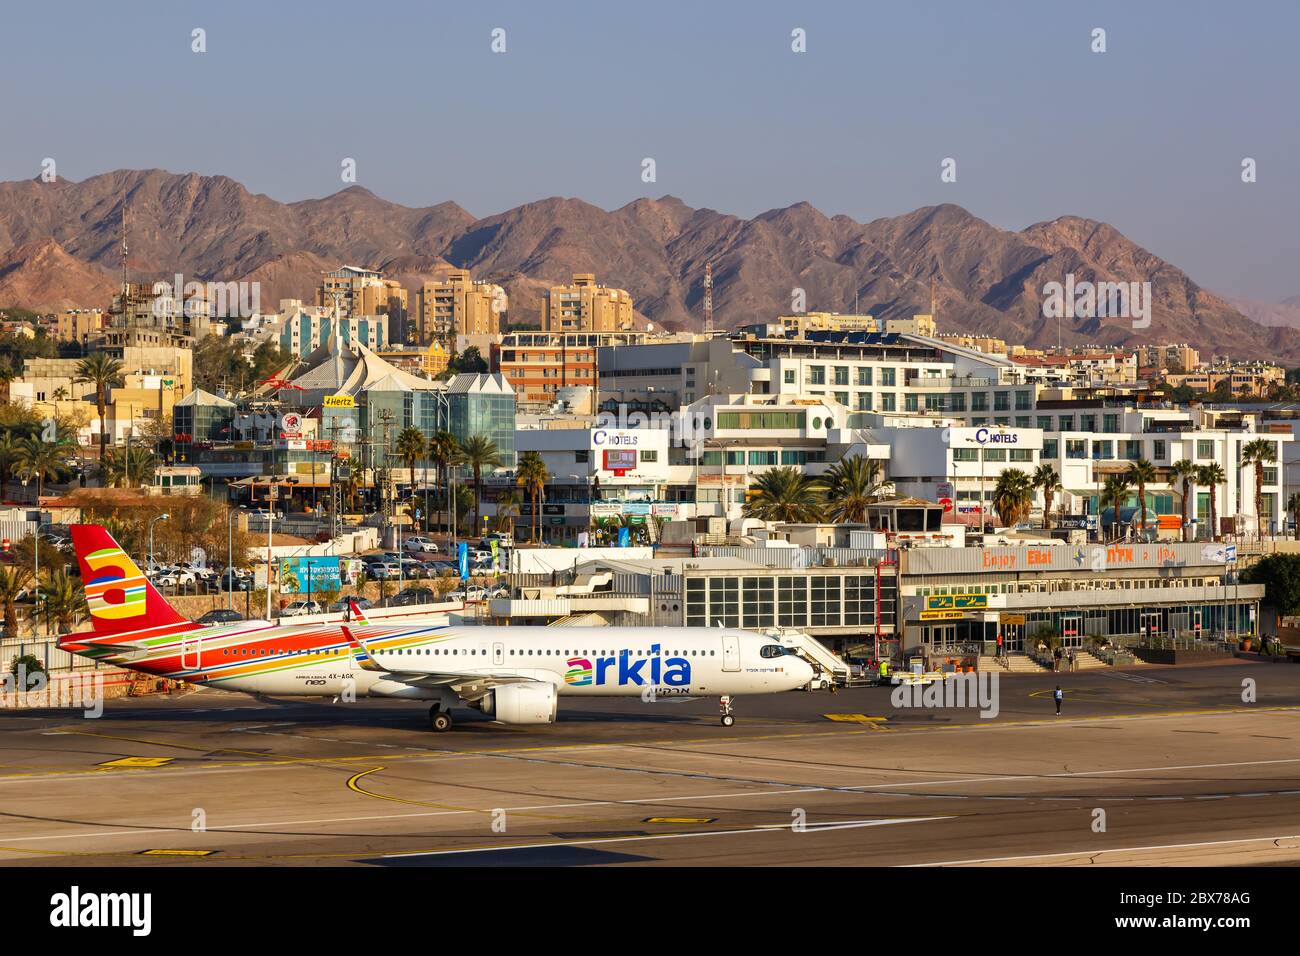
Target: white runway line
column 770, row 828
column 1098, row 852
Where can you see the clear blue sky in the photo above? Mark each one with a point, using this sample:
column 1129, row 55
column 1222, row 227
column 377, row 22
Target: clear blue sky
column 1148, row 136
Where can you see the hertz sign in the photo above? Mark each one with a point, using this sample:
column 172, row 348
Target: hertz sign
column 339, row 401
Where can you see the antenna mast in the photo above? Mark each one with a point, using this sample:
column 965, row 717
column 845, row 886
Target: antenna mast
column 708, row 298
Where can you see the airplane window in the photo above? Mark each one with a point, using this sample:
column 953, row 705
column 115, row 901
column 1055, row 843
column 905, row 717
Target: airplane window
column 771, row 650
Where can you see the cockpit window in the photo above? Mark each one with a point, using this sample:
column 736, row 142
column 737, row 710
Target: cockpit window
column 773, row 650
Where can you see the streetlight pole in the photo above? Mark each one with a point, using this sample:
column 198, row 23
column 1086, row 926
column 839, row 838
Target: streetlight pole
column 230, row 556
column 272, row 488
column 162, row 517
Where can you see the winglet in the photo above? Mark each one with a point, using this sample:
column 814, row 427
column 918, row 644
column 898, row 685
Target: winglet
column 368, row 662
column 358, row 615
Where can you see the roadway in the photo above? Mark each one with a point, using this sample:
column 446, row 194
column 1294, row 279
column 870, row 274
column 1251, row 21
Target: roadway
column 1178, row 767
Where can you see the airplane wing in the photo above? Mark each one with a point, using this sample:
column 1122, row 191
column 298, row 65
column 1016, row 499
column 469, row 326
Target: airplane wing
column 465, row 686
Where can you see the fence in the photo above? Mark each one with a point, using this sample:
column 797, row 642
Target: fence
column 45, row 650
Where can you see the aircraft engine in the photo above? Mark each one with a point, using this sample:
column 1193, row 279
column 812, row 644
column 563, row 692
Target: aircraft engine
column 523, row 703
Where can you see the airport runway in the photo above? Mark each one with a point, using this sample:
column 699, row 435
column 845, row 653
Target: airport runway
column 1146, row 766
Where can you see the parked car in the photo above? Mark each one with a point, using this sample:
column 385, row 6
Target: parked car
column 174, row 579
column 465, row 595
column 421, row 544
column 200, row 572
column 302, row 609
column 235, row 581
column 409, row 596
column 222, row 615
column 383, row 571
column 341, row 605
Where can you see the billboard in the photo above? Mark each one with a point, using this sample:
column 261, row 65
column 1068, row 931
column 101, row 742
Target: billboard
column 619, row 460
column 309, row 575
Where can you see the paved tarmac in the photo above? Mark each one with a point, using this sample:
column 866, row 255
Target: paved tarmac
column 1147, row 765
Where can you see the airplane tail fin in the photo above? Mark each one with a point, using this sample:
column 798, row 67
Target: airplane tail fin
column 119, row 597
column 358, row 615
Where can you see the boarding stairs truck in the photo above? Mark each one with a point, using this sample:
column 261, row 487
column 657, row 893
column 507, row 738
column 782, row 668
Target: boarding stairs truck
column 831, row 671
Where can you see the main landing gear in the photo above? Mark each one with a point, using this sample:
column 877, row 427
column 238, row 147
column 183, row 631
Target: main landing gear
column 727, row 718
column 439, row 720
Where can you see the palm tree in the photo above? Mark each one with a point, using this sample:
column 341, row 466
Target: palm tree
column 850, row 485
column 784, row 494
column 8, row 458
column 1114, row 494
column 123, row 468
column 1184, row 472
column 1293, row 506
column 1142, row 473
column 1013, row 496
column 1048, row 482
column 508, row 509
column 480, row 452
column 65, row 602
column 411, row 447
column 102, row 371
column 41, row 460
column 12, row 582
column 531, row 475
column 60, row 393
column 1212, row 475
column 445, row 452
column 1259, row 453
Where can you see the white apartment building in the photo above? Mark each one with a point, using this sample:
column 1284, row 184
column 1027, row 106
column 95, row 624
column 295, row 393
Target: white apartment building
column 595, row 472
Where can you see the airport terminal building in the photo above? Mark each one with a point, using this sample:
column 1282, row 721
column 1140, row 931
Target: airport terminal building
column 1123, row 592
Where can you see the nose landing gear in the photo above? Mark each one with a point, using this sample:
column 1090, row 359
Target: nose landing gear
column 439, row 720
column 725, row 702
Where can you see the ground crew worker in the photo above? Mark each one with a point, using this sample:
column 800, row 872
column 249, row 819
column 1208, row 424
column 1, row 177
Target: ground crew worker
column 1058, row 696
column 884, row 671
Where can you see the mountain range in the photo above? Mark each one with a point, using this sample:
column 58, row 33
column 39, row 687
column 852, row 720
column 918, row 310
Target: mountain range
column 60, row 247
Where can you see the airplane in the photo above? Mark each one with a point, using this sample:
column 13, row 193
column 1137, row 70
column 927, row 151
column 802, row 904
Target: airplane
column 514, row 675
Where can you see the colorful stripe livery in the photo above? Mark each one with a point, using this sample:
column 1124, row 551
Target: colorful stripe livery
column 118, row 595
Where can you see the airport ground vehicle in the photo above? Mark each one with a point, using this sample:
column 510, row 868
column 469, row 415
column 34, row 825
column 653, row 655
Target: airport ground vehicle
column 515, row 675
column 220, row 616
column 466, row 594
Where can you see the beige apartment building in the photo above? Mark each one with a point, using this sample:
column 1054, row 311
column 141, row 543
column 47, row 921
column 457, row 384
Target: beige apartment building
column 797, row 325
column 459, row 305
column 177, row 318
column 1246, row 379
column 354, row 291
column 585, row 306
column 1171, row 358
column 79, row 325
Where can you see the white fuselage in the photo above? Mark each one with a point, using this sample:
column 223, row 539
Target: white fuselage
column 578, row 661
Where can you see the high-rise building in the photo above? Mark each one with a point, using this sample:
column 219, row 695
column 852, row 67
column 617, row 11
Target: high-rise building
column 354, row 291
column 459, row 305
column 585, row 306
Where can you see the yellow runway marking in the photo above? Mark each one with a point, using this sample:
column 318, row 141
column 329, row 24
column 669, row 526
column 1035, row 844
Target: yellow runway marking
column 680, row 820
column 177, row 852
column 356, row 788
column 139, row 762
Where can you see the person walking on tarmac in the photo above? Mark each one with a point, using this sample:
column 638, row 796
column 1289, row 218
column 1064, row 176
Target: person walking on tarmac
column 1058, row 696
